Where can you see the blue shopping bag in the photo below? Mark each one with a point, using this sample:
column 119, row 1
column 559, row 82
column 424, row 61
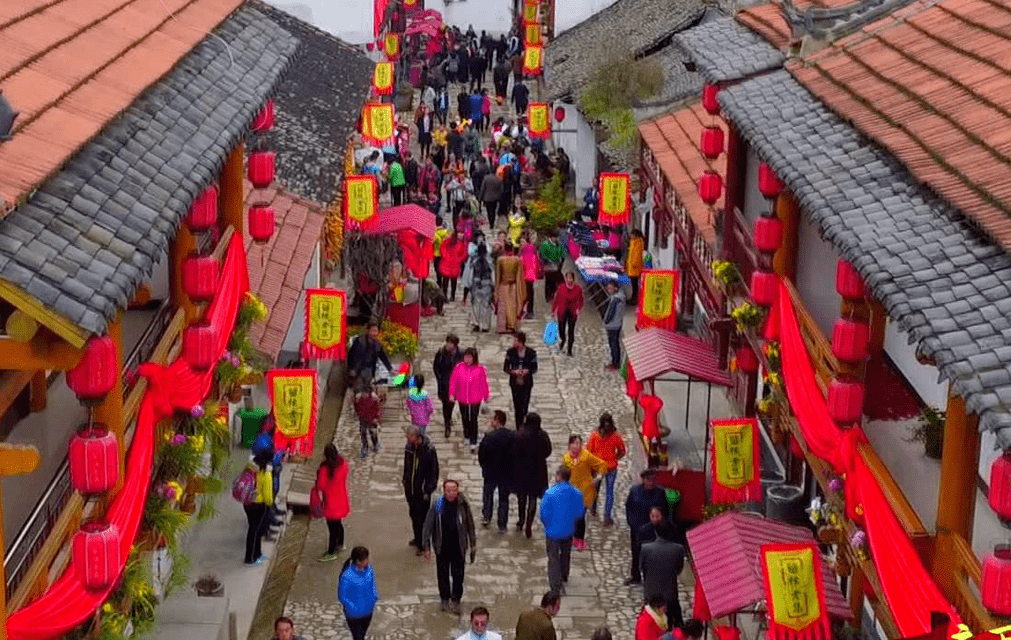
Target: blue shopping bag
column 551, row 333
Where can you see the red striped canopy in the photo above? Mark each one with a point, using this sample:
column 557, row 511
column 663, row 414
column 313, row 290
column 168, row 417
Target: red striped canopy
column 654, row 352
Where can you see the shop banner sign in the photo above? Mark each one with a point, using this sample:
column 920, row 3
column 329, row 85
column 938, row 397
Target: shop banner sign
column 361, row 202
column 794, row 592
column 325, row 324
column 531, row 11
column 377, row 124
column 532, row 34
column 533, row 59
column 657, row 299
column 382, row 79
column 293, row 397
column 391, row 46
column 615, row 199
column 539, row 120
column 736, row 465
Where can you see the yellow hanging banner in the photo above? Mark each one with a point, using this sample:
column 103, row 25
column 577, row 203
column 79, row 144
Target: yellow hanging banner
column 382, row 79
column 533, row 58
column 615, row 198
column 293, row 395
column 325, row 324
column 391, row 46
column 361, row 202
column 377, row 123
column 531, row 9
column 794, row 592
column 736, row 461
column 539, row 120
column 532, row 34
column 657, row 294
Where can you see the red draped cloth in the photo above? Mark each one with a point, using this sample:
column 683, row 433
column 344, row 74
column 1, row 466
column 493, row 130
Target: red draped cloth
column 67, row 604
column 909, row 590
column 651, row 405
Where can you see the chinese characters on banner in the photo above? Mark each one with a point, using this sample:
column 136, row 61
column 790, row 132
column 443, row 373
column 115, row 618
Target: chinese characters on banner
column 377, row 124
column 391, row 46
column 531, row 9
column 532, row 34
column 539, row 120
column 293, row 396
column 615, row 199
column 657, row 294
column 532, row 60
column 325, row 324
column 361, row 202
column 735, row 461
column 794, row 592
column 382, row 79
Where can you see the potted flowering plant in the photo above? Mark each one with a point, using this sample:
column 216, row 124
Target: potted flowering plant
column 748, row 316
column 725, row 274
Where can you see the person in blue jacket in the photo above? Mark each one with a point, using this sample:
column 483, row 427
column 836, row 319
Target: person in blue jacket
column 357, row 592
column 561, row 507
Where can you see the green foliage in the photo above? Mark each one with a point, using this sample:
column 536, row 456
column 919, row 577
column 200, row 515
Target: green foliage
column 179, row 577
column 398, row 339
column 177, row 461
column 162, row 517
column 133, row 603
column 551, row 208
column 208, row 509
column 712, row 510
column 614, row 88
column 748, row 316
column 726, row 274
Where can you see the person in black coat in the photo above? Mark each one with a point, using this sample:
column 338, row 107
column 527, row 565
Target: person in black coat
column 366, row 351
column 500, row 78
column 530, row 469
column 520, row 365
column 495, row 454
column 445, row 361
column 421, row 477
column 642, row 498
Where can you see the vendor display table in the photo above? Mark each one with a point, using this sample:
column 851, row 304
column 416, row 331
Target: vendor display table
column 597, row 273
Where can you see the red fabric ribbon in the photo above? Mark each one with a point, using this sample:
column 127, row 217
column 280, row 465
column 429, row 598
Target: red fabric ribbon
column 67, row 604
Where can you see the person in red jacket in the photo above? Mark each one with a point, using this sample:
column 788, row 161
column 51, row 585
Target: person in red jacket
column 454, row 252
column 567, row 304
column 332, row 488
column 652, row 622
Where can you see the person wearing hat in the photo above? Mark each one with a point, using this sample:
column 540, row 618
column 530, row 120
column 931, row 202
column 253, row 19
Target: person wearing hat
column 642, row 498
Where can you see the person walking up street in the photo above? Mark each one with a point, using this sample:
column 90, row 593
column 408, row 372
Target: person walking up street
column 614, row 319
column 552, row 257
column 495, row 455
column 652, row 621
column 449, row 529
column 419, row 405
column 490, row 193
column 634, row 263
column 445, row 361
column 369, row 410
column 530, row 469
column 284, row 629
column 520, row 97
column 421, row 477
column 561, row 508
column 660, row 563
column 582, row 465
column 365, row 353
column 398, row 181
column 469, row 386
column 567, row 305
column 536, row 624
column 357, row 592
column 606, row 444
column 642, row 498
column 520, row 365
column 479, row 617
column 331, row 489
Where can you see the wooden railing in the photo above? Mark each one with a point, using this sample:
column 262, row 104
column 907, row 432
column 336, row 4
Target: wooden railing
column 967, row 580
column 742, row 246
column 819, row 349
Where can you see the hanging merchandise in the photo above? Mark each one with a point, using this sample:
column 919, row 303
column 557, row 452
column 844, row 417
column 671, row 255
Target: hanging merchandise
column 615, row 199
column 539, row 120
column 533, row 60
column 658, row 300
column 361, row 202
column 325, row 324
column 735, row 461
column 293, row 396
column 377, row 124
column 382, row 79
column 795, row 592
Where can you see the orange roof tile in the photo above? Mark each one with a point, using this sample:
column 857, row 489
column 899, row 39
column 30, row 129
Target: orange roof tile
column 674, row 139
column 932, row 83
column 277, row 269
column 71, row 66
column 767, row 20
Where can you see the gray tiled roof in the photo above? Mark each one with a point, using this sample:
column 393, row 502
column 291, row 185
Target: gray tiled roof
column 318, row 104
column 636, row 26
column 726, row 50
column 89, row 236
column 937, row 276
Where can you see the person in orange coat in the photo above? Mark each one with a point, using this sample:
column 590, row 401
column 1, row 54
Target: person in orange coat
column 652, row 622
column 332, row 490
column 634, row 262
column 454, row 252
column 606, row 444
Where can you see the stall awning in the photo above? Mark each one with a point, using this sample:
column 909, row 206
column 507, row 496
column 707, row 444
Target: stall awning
column 654, row 352
column 406, row 216
column 725, row 551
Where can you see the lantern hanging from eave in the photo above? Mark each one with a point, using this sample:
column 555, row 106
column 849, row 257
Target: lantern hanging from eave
column 264, row 120
column 709, row 101
column 848, row 282
column 999, row 495
column 95, row 375
column 768, row 182
column 849, row 340
column 845, row 401
column 995, row 589
column 199, row 343
column 261, row 223
column 764, row 287
column 96, row 553
column 712, row 142
column 768, row 234
column 200, row 277
column 747, row 361
column 261, row 168
column 559, row 114
column 93, row 458
column 204, row 211
column 710, row 187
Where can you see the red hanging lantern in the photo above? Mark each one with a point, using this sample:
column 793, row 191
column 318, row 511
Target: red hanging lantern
column 261, row 168
column 94, row 459
column 95, row 375
column 261, row 223
column 199, row 343
column 200, row 277
column 710, row 187
column 764, row 287
column 712, row 142
column 264, row 120
column 849, row 340
column 1000, row 488
column 747, row 361
column 96, row 553
column 996, row 585
column 204, row 210
column 768, row 182
column 848, row 282
column 709, row 101
column 370, row 46
column 845, row 401
column 768, row 234
column 559, row 114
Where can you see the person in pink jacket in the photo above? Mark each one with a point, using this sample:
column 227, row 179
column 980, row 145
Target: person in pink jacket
column 332, row 490
column 531, row 270
column 469, row 386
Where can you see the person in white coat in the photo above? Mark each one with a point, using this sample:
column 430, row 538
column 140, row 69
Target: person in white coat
column 479, row 626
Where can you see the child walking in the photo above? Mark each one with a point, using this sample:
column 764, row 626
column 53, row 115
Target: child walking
column 419, row 404
column 369, row 410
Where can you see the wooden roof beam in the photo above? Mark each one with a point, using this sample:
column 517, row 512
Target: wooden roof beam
column 43, row 352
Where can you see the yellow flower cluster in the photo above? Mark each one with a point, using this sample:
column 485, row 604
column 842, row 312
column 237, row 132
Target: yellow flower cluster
column 259, row 309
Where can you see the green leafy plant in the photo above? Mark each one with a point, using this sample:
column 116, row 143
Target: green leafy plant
column 726, row 274
column 178, row 458
column 208, row 510
column 551, row 208
column 131, row 605
column 251, row 310
column 747, row 316
column 228, row 371
column 398, row 339
column 929, row 431
column 179, row 577
column 773, row 356
column 712, row 510
column 614, row 88
column 163, row 519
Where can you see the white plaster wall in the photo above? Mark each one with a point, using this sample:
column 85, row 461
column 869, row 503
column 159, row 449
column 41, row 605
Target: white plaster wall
column 754, row 202
column 923, row 378
column 816, row 261
column 296, row 330
column 575, row 135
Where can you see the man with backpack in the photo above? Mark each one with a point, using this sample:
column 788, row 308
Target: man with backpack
column 254, row 489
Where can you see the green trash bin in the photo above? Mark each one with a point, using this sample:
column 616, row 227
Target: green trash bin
column 252, row 421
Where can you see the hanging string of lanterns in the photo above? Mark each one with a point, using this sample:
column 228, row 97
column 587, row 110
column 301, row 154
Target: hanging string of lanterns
column 262, row 171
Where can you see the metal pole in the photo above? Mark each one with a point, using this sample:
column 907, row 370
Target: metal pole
column 688, row 403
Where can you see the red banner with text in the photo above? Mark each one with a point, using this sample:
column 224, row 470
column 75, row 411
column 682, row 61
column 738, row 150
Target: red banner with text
column 794, row 592
column 615, row 199
column 325, row 324
column 658, row 291
column 736, row 461
column 293, row 396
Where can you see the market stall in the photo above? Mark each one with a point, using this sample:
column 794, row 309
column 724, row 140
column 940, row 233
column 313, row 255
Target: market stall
column 595, row 254
column 414, row 228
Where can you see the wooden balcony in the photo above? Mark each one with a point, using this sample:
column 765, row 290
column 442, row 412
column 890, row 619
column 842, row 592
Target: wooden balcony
column 966, row 587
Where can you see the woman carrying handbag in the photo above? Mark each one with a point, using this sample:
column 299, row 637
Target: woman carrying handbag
column 329, row 499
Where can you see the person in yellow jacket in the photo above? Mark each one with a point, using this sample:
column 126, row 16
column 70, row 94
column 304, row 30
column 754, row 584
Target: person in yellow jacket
column 258, row 511
column 583, row 465
column 441, row 233
column 634, row 262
